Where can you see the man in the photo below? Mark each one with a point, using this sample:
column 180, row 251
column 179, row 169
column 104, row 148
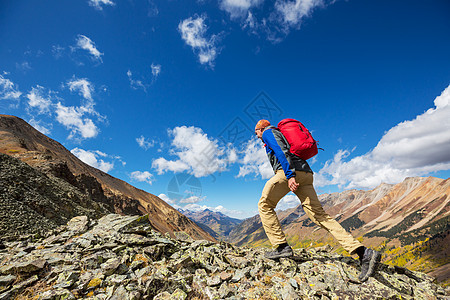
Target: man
column 294, row 174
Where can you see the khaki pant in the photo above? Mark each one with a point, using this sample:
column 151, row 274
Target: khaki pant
column 277, row 187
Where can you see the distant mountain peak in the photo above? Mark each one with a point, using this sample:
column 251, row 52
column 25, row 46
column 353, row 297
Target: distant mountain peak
column 218, row 222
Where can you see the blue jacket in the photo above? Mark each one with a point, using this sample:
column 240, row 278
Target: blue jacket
column 280, row 157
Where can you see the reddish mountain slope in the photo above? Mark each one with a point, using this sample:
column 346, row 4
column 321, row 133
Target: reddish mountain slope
column 21, row 140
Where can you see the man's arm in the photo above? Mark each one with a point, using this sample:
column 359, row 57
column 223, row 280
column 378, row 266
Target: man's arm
column 274, row 141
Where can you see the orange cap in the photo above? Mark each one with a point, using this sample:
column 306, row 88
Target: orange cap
column 262, row 124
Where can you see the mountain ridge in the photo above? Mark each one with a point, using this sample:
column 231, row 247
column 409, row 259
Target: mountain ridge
column 20, row 140
column 408, row 219
column 217, row 222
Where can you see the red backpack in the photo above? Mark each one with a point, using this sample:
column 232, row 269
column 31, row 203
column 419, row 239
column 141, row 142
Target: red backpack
column 299, row 138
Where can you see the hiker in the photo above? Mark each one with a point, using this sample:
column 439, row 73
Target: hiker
column 294, row 174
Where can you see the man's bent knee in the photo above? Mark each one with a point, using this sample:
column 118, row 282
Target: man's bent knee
column 264, row 205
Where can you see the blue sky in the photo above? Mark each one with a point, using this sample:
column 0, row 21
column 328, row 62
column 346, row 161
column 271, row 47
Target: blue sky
column 165, row 94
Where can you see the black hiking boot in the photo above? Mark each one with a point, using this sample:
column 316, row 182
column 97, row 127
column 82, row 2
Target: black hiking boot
column 369, row 263
column 281, row 251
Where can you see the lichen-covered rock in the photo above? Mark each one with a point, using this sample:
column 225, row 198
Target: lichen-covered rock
column 66, row 279
column 20, row 286
column 118, row 223
column 120, row 257
column 110, row 266
column 239, row 274
column 183, row 236
column 178, row 295
column 163, row 296
column 57, row 294
column 6, row 295
column 120, row 293
column 214, row 280
column 94, row 283
column 78, row 224
column 27, row 266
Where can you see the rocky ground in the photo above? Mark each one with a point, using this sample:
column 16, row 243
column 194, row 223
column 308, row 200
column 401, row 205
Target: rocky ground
column 121, row 257
column 32, row 202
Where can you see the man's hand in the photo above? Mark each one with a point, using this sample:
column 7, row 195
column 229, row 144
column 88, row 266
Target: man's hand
column 292, row 184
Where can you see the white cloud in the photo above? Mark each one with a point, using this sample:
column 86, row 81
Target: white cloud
column 142, row 176
column 145, row 143
column 193, row 32
column 142, row 83
column 24, row 66
column 33, row 53
column 288, row 201
column 92, row 158
column 163, row 165
column 82, row 86
column 255, row 160
column 37, row 125
column 232, row 155
column 73, row 118
column 116, row 157
column 76, row 118
column 100, row 153
column 152, row 9
column 136, row 84
column 272, row 19
column 197, row 208
column 411, row 148
column 156, row 69
column 98, row 4
column 228, row 212
column 57, row 51
column 167, row 199
column 291, row 13
column 238, row 8
column 193, row 206
column 192, row 199
column 8, row 90
column 197, row 153
column 250, row 21
column 85, row 43
column 37, row 99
